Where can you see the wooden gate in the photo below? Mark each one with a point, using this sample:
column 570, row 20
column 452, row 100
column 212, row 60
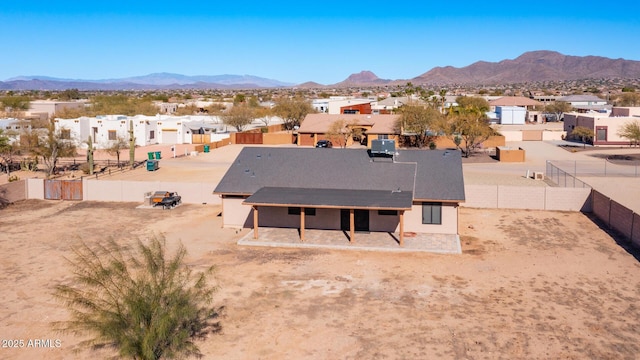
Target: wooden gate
column 248, row 138
column 200, row 138
column 63, row 189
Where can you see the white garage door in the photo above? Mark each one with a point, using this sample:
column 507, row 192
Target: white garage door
column 169, row 136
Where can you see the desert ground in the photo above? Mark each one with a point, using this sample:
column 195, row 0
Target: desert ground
column 528, row 285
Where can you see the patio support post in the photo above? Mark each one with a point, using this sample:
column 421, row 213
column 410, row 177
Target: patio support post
column 401, row 228
column 352, row 225
column 255, row 222
column 302, row 216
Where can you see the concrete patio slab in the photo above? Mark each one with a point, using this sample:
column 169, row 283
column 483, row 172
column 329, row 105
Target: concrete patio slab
column 339, row 240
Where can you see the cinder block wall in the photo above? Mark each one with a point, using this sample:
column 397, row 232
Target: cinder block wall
column 617, row 217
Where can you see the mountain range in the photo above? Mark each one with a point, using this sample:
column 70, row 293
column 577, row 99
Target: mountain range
column 529, row 67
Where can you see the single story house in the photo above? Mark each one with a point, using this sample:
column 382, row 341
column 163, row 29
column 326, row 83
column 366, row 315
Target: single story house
column 605, row 127
column 316, row 127
column 343, row 189
column 585, row 103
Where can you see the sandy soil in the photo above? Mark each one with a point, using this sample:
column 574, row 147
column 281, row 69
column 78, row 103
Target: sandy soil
column 529, row 284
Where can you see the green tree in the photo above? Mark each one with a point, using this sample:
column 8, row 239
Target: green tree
column 138, row 300
column 631, row 131
column 239, row 116
column 420, row 122
column 14, row 105
column 558, row 108
column 468, row 125
column 628, row 99
column 583, row 133
column 292, row 111
column 52, row 147
column 69, row 94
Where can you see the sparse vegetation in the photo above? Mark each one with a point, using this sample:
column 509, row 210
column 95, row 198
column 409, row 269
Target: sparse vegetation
column 138, row 300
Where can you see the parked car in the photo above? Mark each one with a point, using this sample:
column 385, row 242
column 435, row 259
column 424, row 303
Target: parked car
column 324, row 144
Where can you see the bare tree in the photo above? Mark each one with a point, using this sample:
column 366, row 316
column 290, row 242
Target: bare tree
column 239, row 116
column 419, row 123
column 116, row 147
column 7, row 150
column 52, row 147
column 558, row 108
column 292, row 111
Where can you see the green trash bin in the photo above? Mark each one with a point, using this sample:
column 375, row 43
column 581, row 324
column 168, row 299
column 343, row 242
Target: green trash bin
column 158, row 155
column 150, row 155
column 152, row 165
column 206, row 148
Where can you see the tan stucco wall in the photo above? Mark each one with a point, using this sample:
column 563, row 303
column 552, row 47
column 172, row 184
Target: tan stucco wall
column 413, row 220
column 277, row 138
column 328, row 219
column 236, row 215
column 388, row 223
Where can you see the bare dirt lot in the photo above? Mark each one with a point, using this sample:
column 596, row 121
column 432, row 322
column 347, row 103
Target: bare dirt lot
column 529, row 284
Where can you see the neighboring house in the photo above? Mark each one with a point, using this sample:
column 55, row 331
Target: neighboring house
column 342, row 105
column 316, row 127
column 105, row 129
column 46, row 108
column 584, row 103
column 391, row 104
column 511, row 101
column 605, row 127
column 343, row 189
column 148, row 130
column 12, row 128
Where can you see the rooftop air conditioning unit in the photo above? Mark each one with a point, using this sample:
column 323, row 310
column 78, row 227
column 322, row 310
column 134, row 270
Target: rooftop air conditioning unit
column 383, row 147
column 537, row 175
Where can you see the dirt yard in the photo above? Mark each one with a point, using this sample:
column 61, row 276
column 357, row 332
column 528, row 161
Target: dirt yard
column 529, row 284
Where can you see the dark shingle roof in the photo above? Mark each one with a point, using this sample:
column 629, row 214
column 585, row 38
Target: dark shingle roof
column 332, row 198
column 429, row 174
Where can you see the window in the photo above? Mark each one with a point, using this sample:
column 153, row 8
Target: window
column 112, row 135
column 296, row 211
column 601, row 134
column 388, row 212
column 432, row 213
column 152, row 135
column 65, row 134
column 350, row 111
column 383, row 137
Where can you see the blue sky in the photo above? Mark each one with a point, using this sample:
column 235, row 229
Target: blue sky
column 324, row 41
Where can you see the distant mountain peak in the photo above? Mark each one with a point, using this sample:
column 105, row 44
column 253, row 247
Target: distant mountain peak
column 364, row 76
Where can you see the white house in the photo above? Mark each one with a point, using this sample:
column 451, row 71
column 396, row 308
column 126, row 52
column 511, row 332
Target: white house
column 148, row 130
column 586, row 102
column 106, row 128
column 13, row 127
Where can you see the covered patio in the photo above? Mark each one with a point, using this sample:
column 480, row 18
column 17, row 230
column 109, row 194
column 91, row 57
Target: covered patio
column 352, row 201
